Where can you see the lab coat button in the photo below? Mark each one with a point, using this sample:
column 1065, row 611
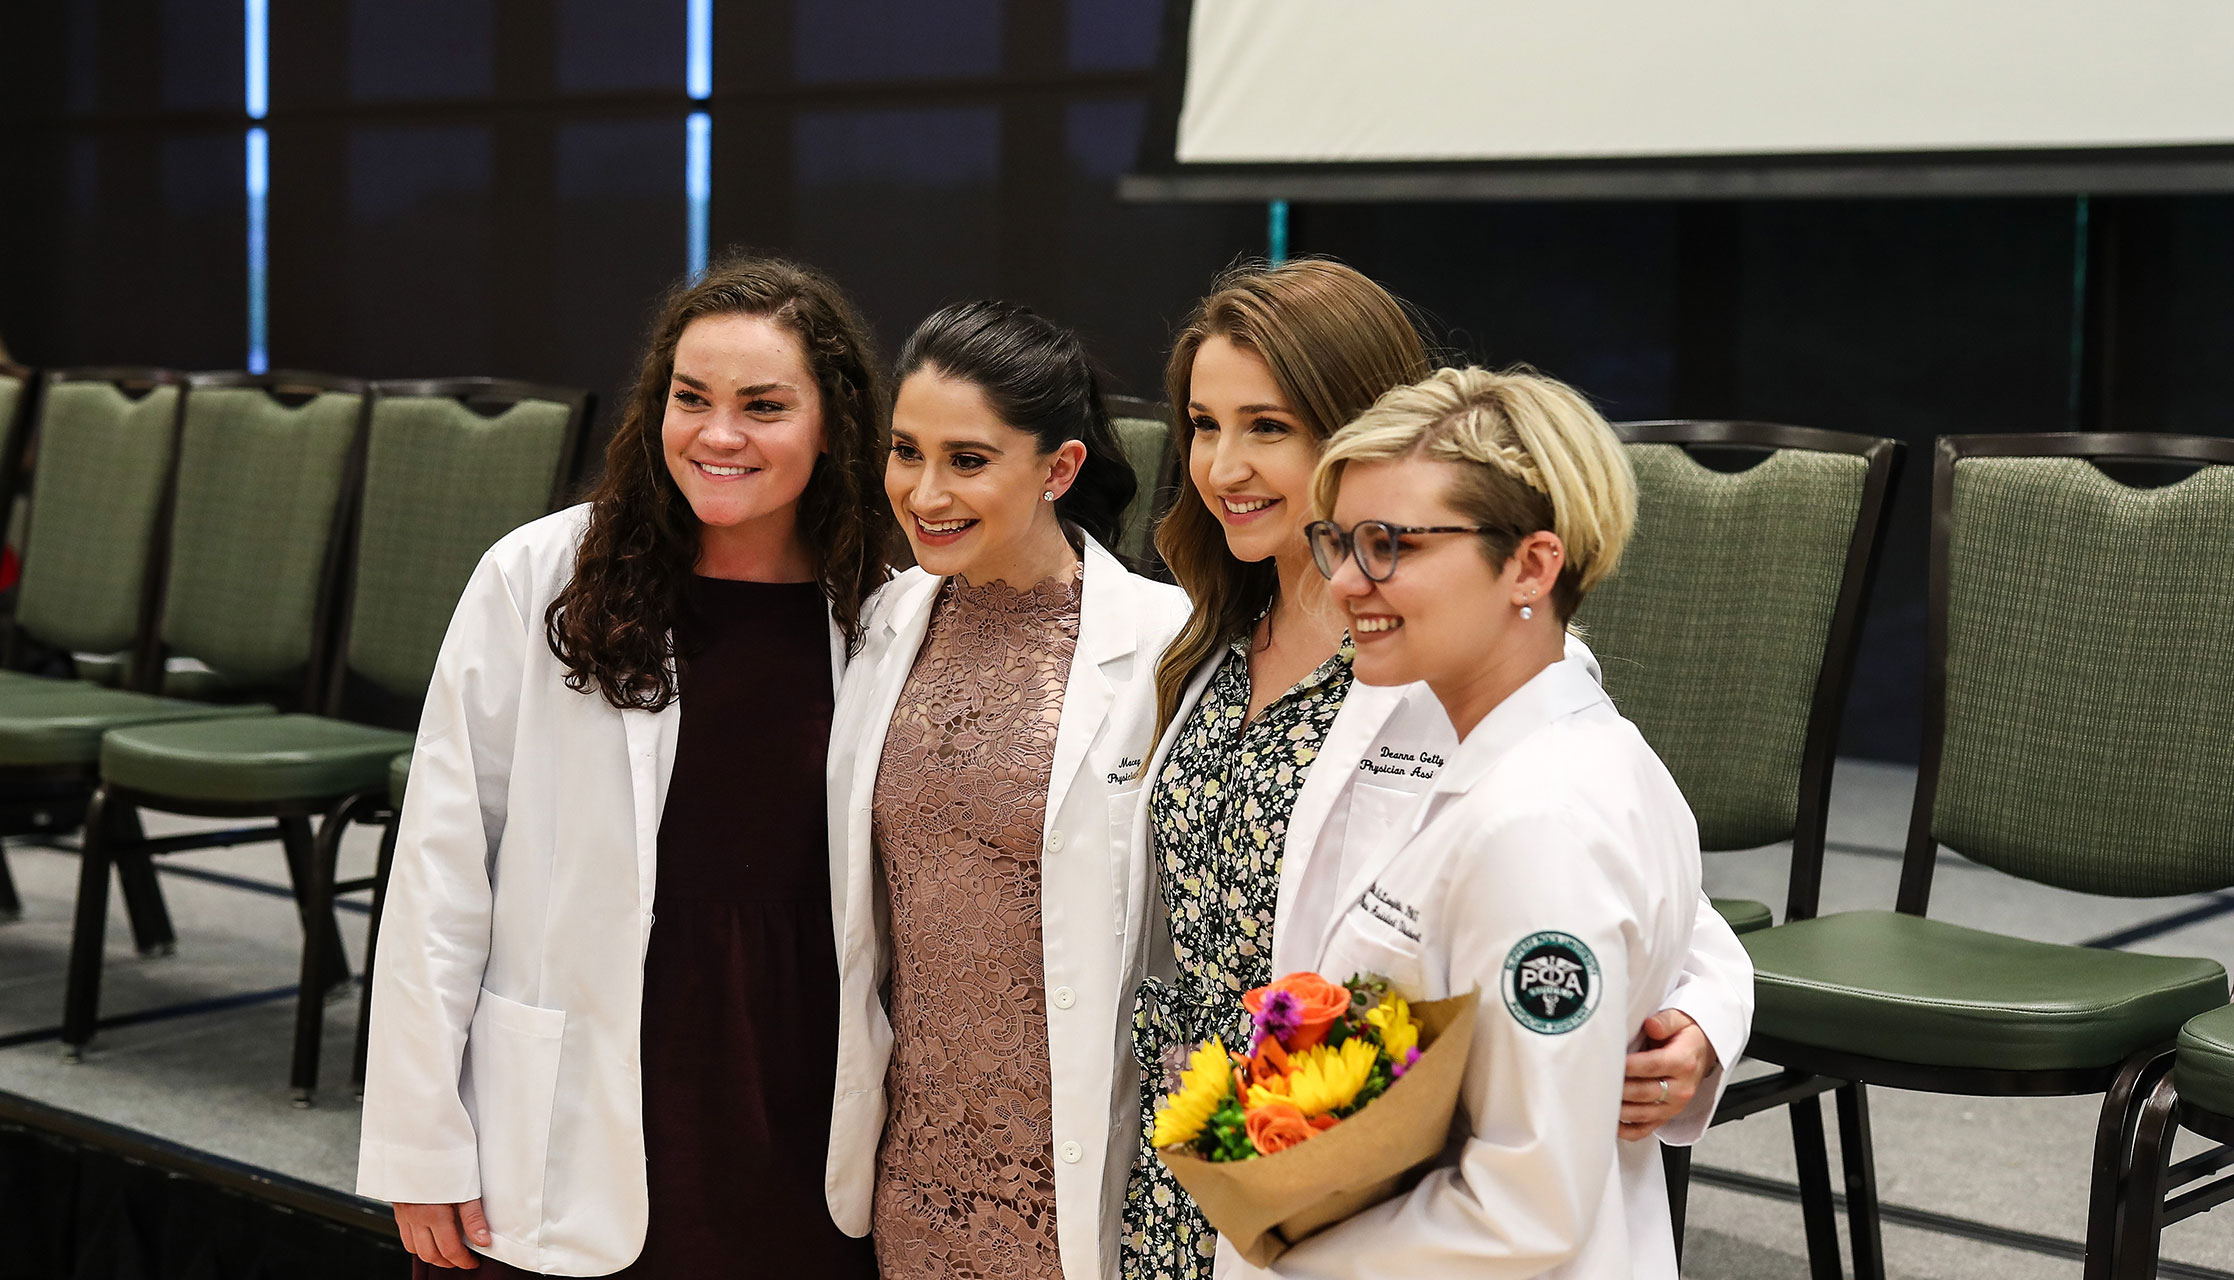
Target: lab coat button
column 1071, row 1153
column 1055, row 842
column 1065, row 997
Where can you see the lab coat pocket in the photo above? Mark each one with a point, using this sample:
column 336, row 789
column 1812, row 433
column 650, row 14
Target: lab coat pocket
column 511, row 1073
column 1124, row 817
column 1377, row 816
column 1373, row 939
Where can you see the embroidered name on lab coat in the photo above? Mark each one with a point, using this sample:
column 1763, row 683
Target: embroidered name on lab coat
column 1393, row 912
column 1403, row 764
column 1128, row 768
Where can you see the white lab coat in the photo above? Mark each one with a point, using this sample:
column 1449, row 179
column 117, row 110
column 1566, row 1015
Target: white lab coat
column 1380, row 755
column 1093, row 897
column 505, row 1038
column 1553, row 820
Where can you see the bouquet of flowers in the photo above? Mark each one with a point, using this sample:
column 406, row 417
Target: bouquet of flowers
column 1279, row 1142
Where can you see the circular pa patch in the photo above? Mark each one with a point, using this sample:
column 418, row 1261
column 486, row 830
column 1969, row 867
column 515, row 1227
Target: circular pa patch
column 1551, row 982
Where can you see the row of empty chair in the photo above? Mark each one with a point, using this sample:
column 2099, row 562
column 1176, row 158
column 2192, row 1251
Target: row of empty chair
column 258, row 570
column 2078, row 706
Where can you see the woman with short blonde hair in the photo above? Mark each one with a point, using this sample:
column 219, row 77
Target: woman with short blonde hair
column 1553, row 865
column 1545, row 460
column 1252, row 834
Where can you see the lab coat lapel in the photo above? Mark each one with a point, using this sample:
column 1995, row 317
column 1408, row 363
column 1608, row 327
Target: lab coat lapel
column 903, row 630
column 1105, row 635
column 1365, row 711
column 1558, row 690
column 651, row 747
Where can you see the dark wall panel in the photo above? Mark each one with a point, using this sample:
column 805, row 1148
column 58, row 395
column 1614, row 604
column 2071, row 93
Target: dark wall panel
column 497, row 186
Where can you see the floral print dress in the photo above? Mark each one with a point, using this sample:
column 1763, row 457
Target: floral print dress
column 1219, row 822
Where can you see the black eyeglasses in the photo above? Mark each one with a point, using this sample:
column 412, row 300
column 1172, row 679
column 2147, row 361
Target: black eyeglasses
column 1372, row 543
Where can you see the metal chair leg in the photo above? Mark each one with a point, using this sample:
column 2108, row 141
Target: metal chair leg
column 2140, row 1226
column 2109, row 1209
column 315, row 888
column 1817, row 1211
column 135, row 873
column 296, row 837
column 1859, row 1155
column 1675, row 1164
column 81, row 1000
column 372, row 947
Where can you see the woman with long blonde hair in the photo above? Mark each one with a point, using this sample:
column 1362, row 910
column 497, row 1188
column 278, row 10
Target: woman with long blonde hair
column 1251, row 829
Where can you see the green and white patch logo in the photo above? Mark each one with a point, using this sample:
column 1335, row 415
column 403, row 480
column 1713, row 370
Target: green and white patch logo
column 1551, row 982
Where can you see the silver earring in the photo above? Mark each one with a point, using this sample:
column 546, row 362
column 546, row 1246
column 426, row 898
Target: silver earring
column 1048, row 496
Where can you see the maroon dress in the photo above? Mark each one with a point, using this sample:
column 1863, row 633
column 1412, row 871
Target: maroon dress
column 740, row 1023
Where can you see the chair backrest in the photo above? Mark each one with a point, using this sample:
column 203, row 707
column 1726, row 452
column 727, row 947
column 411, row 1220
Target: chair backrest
column 2079, row 697
column 1145, row 431
column 266, row 475
column 450, row 467
column 1727, row 635
column 103, row 442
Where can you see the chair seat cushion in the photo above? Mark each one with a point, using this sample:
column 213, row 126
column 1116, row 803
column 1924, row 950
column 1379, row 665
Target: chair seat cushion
column 60, row 722
column 275, row 758
column 2203, row 1071
column 1745, row 915
column 399, row 773
column 1900, row 987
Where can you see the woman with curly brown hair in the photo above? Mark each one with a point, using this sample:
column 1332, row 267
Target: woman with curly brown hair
column 628, row 722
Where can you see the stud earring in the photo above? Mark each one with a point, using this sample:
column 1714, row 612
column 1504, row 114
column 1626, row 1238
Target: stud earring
column 1048, row 496
column 1526, row 613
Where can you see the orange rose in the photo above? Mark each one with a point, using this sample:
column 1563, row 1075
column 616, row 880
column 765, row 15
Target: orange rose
column 1276, row 1126
column 1320, row 1001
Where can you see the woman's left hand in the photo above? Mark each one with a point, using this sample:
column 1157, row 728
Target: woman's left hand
column 1665, row 1074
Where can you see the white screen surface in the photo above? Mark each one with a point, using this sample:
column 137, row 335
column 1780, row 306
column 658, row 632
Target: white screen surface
column 1334, row 81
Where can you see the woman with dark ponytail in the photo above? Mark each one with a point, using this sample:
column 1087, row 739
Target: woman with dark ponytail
column 985, row 780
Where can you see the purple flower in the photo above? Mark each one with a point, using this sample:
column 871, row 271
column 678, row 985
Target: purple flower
column 1277, row 1018
column 1396, row 1070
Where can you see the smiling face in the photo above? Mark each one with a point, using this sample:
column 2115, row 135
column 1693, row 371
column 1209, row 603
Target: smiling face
column 1250, row 455
column 969, row 488
column 1447, row 614
column 743, row 424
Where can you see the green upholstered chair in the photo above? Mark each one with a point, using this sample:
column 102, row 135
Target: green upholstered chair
column 257, row 497
column 1727, row 635
column 1145, row 431
column 2079, row 732
column 103, row 440
column 2190, row 1088
column 448, row 468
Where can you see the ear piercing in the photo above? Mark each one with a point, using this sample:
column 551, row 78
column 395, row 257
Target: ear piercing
column 1048, row 496
column 1527, row 611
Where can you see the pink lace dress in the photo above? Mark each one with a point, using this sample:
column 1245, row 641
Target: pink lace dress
column 965, row 1177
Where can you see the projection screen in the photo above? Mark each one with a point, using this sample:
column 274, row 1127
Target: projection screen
column 1468, row 98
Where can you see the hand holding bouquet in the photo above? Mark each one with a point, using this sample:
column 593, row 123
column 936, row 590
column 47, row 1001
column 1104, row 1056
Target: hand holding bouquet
column 1320, row 1054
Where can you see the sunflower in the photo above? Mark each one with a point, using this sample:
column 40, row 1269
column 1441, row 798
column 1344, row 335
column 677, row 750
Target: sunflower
column 1320, row 1080
column 1203, row 1087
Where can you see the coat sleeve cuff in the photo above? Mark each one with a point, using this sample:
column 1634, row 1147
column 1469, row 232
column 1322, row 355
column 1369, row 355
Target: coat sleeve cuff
column 411, row 1175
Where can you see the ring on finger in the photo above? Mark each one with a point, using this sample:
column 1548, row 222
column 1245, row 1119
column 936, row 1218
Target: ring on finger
column 1664, row 1083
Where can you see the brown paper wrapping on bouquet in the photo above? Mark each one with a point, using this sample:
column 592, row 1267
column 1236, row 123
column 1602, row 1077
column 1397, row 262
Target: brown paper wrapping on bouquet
column 1265, row 1205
